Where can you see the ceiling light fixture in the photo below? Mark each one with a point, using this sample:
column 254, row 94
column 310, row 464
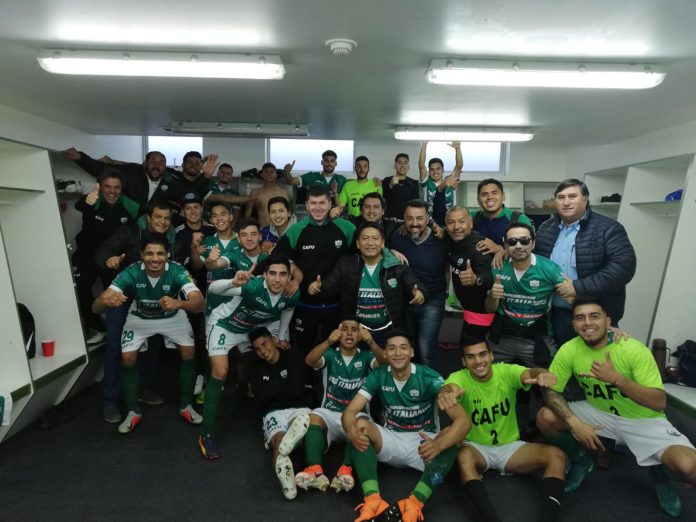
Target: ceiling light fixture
column 497, row 134
column 510, row 73
column 221, row 128
column 166, row 64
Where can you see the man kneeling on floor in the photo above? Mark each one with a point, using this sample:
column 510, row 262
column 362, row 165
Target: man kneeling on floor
column 487, row 392
column 344, row 368
column 277, row 381
column 409, row 438
column 625, row 402
column 155, row 284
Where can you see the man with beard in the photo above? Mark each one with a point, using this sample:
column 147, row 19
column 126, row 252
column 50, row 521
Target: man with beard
column 194, row 176
column 259, row 198
column 399, row 189
column 355, row 189
column 327, row 177
column 372, row 210
column 220, row 190
column 151, row 180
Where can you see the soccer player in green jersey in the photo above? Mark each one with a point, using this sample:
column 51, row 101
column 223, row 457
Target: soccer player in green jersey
column 487, row 392
column 409, row 437
column 344, row 368
column 355, row 189
column 327, row 177
column 625, row 402
column 439, row 193
column 155, row 284
column 256, row 302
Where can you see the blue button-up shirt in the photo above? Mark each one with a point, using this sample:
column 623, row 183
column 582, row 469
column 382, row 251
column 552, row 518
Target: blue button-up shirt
column 563, row 254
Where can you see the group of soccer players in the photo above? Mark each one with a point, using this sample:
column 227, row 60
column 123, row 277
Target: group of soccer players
column 249, row 302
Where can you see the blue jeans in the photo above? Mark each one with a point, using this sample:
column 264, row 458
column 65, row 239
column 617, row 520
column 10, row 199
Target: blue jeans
column 424, row 324
column 114, row 319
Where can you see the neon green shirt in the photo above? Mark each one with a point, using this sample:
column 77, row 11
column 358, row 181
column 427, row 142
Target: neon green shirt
column 491, row 405
column 629, row 357
column 353, row 191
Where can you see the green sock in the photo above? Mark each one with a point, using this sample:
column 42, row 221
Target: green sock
column 434, row 474
column 314, row 445
column 213, row 391
column 129, row 384
column 567, row 443
column 366, row 467
column 187, row 381
column 347, row 460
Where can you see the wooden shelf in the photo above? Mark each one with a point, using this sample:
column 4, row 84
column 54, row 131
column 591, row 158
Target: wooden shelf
column 659, row 208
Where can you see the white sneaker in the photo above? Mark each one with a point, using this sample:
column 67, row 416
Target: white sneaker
column 190, row 415
column 286, row 476
column 130, row 422
column 200, row 383
column 96, row 337
column 295, row 434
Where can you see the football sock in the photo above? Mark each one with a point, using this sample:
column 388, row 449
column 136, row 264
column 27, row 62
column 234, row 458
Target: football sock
column 314, row 445
column 213, row 391
column 365, row 463
column 482, row 502
column 552, row 493
column 187, row 381
column 434, row 473
column 129, row 383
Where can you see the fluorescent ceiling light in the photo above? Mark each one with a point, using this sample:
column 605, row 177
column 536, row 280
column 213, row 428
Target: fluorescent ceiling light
column 497, row 134
column 136, row 63
column 265, row 130
column 510, row 73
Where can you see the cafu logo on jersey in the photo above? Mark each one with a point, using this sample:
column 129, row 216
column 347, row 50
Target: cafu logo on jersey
column 534, row 283
column 164, row 187
column 414, row 393
column 338, row 243
column 124, row 219
column 358, row 364
column 284, row 374
column 140, row 285
column 460, row 261
column 391, row 282
column 166, row 288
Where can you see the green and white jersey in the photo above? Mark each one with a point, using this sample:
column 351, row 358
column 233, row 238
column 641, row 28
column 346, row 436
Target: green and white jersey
column 147, row 291
column 490, row 405
column 353, row 191
column 227, row 249
column 430, row 189
column 255, row 307
column 410, row 405
column 528, row 299
column 629, row 357
column 371, row 310
column 310, row 179
column 343, row 376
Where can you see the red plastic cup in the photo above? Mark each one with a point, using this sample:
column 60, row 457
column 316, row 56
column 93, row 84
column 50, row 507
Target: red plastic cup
column 48, row 346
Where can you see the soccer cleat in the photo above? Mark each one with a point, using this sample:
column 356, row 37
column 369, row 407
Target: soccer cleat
column 208, row 446
column 130, row 422
column 666, row 495
column 286, row 476
column 190, row 415
column 579, row 469
column 312, row 477
column 411, row 509
column 343, row 481
column 373, row 506
column 295, row 434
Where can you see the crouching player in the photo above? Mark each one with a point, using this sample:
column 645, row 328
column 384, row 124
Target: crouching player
column 410, row 435
column 277, row 380
column 344, row 368
column 155, row 284
column 487, row 392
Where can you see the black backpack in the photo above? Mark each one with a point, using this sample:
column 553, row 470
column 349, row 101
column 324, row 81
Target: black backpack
column 26, row 321
column 687, row 363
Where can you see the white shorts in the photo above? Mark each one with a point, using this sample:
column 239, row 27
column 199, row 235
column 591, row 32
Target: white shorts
column 278, row 421
column 496, row 457
column 221, row 341
column 646, row 438
column 334, row 427
column 176, row 330
column 400, row 448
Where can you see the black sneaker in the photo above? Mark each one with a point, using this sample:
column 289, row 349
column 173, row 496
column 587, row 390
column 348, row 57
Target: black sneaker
column 150, row 397
column 112, row 414
column 208, row 446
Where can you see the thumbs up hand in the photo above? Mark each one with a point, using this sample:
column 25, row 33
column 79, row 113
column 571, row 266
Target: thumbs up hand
column 418, row 297
column 93, row 196
column 497, row 290
column 315, row 287
column 429, row 448
column 467, row 277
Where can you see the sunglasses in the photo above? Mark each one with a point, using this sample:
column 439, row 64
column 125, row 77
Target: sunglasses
column 512, row 241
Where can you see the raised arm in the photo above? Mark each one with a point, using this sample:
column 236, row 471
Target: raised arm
column 422, row 167
column 313, row 359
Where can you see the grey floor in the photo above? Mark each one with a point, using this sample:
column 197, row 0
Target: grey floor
column 82, row 469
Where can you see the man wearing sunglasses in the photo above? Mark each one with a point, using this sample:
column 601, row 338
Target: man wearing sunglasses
column 521, row 296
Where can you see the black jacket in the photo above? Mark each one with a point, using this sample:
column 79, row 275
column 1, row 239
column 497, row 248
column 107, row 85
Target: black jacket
column 472, row 298
column 605, row 259
column 345, row 277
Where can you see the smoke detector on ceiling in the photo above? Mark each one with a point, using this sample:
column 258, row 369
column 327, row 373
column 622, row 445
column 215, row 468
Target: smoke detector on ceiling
column 341, row 46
